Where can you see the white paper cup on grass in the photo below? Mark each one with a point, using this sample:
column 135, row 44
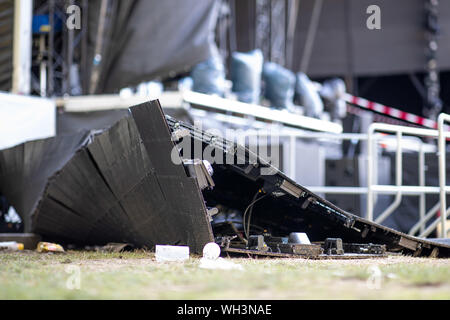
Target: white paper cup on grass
column 211, row 251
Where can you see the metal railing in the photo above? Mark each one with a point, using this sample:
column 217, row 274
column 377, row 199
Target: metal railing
column 421, row 190
column 373, row 138
column 373, row 189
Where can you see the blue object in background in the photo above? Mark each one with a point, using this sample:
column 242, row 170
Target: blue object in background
column 209, row 77
column 333, row 91
column 308, row 96
column 279, row 85
column 41, row 23
column 185, row 83
column 246, row 69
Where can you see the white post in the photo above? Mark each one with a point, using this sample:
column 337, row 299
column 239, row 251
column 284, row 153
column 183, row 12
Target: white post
column 23, row 15
column 422, row 199
column 398, row 181
column 370, row 165
column 292, row 157
column 442, row 174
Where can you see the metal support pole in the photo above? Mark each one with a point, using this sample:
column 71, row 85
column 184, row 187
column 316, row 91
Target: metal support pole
column 51, row 49
column 293, row 7
column 312, row 29
column 84, row 47
column 422, row 199
column 442, row 174
column 433, row 101
column 99, row 47
column 42, row 66
column 398, row 181
column 370, row 164
column 278, row 32
column 23, row 14
column 292, row 157
column 69, row 56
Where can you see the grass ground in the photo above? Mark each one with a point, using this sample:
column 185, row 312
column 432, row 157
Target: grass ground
column 137, row 275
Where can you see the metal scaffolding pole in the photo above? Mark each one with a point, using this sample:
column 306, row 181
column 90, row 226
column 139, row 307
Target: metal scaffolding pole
column 23, row 14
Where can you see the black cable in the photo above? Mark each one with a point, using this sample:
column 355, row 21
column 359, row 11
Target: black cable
column 250, row 214
column 245, row 213
column 250, row 206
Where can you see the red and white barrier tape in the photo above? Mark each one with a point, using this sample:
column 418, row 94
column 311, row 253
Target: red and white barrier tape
column 377, row 117
column 392, row 112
